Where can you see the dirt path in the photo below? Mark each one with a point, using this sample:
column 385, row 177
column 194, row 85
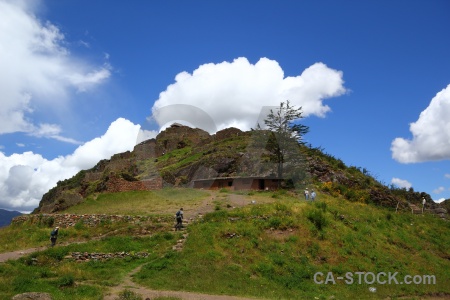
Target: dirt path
column 146, row 293
column 18, row 254
column 13, row 255
column 208, row 205
column 190, row 215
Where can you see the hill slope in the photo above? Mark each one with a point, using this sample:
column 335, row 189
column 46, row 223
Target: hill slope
column 182, row 154
column 263, row 245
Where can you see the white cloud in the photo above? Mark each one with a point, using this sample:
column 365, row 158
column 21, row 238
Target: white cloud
column 447, row 176
column 144, row 135
column 25, row 177
column 431, row 133
column 37, row 70
column 439, row 190
column 401, row 183
column 120, row 136
column 233, row 93
column 439, row 200
column 51, row 131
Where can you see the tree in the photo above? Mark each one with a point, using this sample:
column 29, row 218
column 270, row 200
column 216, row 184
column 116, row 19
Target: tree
column 285, row 138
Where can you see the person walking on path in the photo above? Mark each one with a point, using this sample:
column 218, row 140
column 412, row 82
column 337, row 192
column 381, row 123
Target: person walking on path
column 179, row 217
column 313, row 195
column 54, row 236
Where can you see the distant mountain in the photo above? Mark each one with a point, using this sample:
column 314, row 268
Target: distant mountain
column 6, row 216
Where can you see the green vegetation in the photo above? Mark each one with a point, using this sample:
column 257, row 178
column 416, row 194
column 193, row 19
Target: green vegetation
column 273, row 251
column 140, row 202
column 49, row 271
column 283, row 138
column 269, row 249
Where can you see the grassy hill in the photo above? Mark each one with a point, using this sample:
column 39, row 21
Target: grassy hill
column 264, row 245
column 255, row 244
column 181, row 154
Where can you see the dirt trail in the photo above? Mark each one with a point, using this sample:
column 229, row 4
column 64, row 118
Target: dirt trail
column 13, row 255
column 19, row 253
column 146, row 293
column 127, row 283
column 190, row 214
column 207, row 205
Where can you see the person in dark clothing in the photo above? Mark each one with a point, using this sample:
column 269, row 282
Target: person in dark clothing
column 179, row 217
column 54, row 236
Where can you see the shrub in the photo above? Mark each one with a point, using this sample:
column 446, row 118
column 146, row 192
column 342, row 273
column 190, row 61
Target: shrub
column 321, row 205
column 317, row 218
column 388, row 216
column 57, row 253
column 128, row 177
column 65, row 281
column 79, row 225
column 168, row 236
column 274, row 222
column 46, row 221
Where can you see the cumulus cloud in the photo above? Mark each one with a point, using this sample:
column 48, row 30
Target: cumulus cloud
column 439, row 190
column 37, row 70
column 120, row 136
column 233, row 93
column 431, row 133
column 401, row 183
column 25, row 177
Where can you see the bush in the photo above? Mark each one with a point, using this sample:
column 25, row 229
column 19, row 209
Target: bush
column 274, row 222
column 65, row 281
column 168, row 236
column 46, row 221
column 79, row 225
column 388, row 216
column 321, row 205
column 317, row 218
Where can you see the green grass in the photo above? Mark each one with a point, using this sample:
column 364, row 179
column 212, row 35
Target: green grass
column 162, row 201
column 267, row 250
column 48, row 271
column 273, row 251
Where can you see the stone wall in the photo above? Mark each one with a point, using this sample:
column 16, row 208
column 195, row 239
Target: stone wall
column 70, row 220
column 85, row 256
column 117, row 184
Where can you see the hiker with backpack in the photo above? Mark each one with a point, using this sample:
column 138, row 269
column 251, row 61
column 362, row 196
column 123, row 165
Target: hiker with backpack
column 54, row 236
column 179, row 217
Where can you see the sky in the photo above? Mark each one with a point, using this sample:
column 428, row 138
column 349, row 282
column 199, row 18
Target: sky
column 82, row 80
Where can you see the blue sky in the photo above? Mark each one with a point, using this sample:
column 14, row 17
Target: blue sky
column 80, row 78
